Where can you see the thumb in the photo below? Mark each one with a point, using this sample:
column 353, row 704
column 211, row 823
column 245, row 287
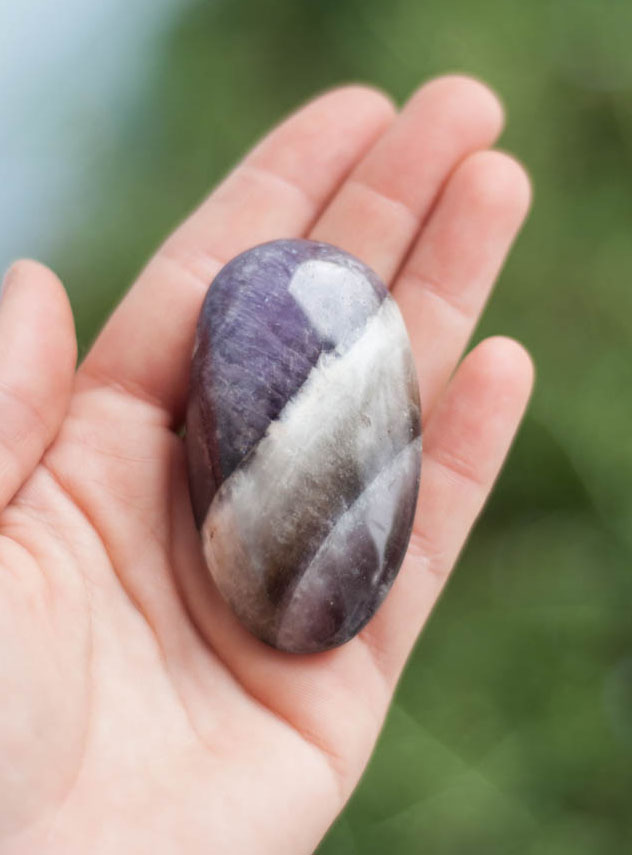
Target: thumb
column 38, row 352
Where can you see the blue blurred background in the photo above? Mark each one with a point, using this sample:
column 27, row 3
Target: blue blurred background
column 512, row 728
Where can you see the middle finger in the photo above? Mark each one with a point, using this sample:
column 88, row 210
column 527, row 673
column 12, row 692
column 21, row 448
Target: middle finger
column 381, row 206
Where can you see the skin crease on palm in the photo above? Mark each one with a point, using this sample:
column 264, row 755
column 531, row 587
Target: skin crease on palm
column 137, row 715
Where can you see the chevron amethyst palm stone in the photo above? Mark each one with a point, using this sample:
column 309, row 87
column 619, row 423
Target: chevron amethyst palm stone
column 303, row 441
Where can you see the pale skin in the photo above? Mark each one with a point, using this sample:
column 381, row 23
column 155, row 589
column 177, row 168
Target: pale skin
column 136, row 714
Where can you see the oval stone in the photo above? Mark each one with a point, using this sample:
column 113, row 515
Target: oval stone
column 303, row 441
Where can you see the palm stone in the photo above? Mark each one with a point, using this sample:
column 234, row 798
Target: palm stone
column 303, row 441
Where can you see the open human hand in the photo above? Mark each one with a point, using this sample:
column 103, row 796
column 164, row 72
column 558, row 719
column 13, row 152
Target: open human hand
column 136, row 714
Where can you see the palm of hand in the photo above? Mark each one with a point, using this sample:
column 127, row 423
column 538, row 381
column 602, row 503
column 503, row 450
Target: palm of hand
column 136, row 712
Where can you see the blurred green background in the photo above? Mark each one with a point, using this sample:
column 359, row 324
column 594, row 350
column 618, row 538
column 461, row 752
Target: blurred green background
column 512, row 728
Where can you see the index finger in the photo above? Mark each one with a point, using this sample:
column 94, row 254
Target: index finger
column 277, row 191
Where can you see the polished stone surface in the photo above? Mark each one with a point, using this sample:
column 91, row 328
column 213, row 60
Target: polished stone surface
column 303, row 441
